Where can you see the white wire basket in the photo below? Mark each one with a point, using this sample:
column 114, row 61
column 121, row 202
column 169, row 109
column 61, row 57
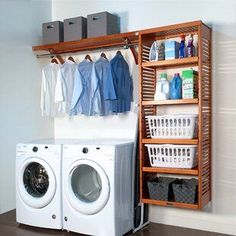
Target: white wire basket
column 173, row 126
column 172, row 156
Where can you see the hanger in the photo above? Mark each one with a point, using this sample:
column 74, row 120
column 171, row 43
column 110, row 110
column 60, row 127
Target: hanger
column 54, row 60
column 60, row 59
column 71, row 58
column 118, row 53
column 87, row 57
column 103, row 55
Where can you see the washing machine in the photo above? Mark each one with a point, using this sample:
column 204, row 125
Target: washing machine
column 97, row 187
column 38, row 184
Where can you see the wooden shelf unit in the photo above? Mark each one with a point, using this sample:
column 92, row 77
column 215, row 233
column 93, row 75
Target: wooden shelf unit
column 148, row 72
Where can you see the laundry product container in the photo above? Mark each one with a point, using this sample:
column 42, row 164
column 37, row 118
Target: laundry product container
column 185, row 191
column 75, row 28
column 52, row 32
column 160, row 188
column 171, row 50
column 102, row 23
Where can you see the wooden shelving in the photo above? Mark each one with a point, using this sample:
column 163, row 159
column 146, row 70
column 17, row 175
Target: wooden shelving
column 183, row 62
column 171, row 141
column 129, row 39
column 148, row 74
column 170, row 102
column 163, row 170
column 172, row 204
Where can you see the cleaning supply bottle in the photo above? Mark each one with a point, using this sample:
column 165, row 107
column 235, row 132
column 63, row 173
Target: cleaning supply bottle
column 176, row 87
column 182, row 48
column 190, row 47
column 162, row 88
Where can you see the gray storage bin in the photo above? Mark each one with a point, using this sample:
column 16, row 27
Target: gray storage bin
column 52, row 32
column 185, row 191
column 102, row 23
column 75, row 28
column 160, row 188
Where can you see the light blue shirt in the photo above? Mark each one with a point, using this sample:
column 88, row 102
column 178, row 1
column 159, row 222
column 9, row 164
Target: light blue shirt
column 99, row 105
column 119, row 76
column 82, row 97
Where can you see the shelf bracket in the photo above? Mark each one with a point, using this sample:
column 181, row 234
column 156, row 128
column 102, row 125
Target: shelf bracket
column 129, row 45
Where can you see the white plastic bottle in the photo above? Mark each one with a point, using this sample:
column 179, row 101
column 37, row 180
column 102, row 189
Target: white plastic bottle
column 162, row 88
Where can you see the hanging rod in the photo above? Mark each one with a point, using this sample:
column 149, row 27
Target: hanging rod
column 125, row 46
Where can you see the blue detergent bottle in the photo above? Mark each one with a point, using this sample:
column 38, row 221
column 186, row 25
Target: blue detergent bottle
column 176, row 87
column 182, row 48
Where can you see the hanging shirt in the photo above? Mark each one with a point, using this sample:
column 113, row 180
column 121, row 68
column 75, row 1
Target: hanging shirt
column 99, row 105
column 65, row 85
column 49, row 77
column 81, row 100
column 119, row 75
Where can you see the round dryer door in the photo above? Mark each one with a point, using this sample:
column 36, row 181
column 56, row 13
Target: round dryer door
column 88, row 187
column 36, row 183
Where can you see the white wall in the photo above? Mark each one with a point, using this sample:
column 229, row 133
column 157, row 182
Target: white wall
column 221, row 16
column 20, row 28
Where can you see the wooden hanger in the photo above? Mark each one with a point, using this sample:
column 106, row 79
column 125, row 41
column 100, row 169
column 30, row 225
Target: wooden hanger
column 71, row 58
column 54, row 60
column 87, row 57
column 60, row 59
column 118, row 53
column 103, row 55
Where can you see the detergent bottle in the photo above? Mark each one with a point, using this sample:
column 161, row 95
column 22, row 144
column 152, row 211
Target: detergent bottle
column 182, row 48
column 162, row 88
column 176, row 87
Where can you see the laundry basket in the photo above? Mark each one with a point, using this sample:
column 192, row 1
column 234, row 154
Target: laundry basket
column 172, row 156
column 173, row 126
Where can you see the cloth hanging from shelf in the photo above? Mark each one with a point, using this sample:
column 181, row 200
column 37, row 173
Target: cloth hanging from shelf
column 119, row 75
column 65, row 85
column 100, row 106
column 82, row 94
column 48, row 84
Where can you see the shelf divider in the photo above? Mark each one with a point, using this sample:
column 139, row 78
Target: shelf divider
column 177, row 171
column 173, row 204
column 170, row 141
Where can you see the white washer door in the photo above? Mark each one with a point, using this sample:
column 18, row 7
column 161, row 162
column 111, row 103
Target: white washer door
column 36, row 182
column 88, row 187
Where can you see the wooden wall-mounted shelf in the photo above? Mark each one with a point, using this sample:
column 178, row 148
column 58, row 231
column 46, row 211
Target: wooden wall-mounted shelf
column 128, row 40
column 148, row 75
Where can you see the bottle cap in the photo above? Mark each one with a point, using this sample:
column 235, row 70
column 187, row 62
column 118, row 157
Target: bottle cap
column 182, row 37
column 163, row 75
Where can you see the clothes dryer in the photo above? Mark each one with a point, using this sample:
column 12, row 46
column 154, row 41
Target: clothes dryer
column 97, row 187
column 38, row 184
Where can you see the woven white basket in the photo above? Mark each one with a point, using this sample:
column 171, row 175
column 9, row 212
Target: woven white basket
column 172, row 156
column 173, row 126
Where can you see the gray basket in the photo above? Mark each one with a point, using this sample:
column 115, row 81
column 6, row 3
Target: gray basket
column 161, row 188
column 185, row 191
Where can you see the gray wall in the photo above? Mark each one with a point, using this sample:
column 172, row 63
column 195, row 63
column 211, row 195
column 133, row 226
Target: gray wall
column 20, row 79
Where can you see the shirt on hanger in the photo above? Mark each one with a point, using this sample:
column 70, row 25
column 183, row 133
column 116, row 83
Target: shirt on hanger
column 119, row 75
column 99, row 105
column 65, row 85
column 81, row 101
column 48, row 85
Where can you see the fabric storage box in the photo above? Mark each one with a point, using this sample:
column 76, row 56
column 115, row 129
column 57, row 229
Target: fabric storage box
column 186, row 191
column 75, row 28
column 172, row 156
column 160, row 188
column 173, row 126
column 52, row 32
column 102, row 23
column 171, row 50
column 189, row 84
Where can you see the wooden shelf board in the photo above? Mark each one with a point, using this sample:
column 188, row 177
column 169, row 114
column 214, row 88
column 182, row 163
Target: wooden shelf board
column 193, row 171
column 189, row 61
column 171, row 141
column 172, row 204
column 88, row 44
column 171, row 102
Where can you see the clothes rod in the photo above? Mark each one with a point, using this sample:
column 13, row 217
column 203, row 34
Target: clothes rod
column 126, row 46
